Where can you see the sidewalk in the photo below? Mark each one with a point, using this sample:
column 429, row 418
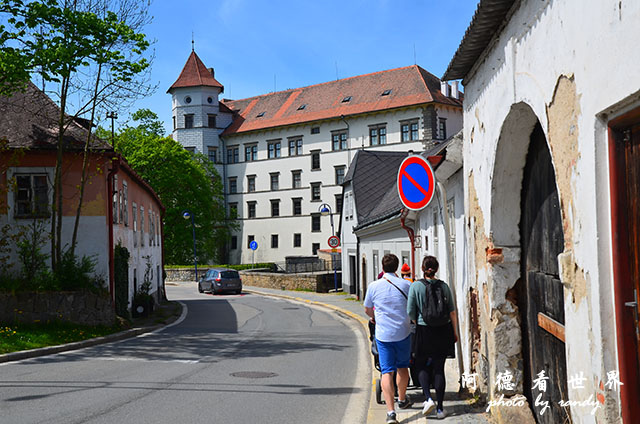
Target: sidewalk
column 458, row 410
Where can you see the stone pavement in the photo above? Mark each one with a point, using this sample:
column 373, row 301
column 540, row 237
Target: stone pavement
column 457, row 410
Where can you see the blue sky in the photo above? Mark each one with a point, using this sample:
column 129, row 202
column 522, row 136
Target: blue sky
column 248, row 42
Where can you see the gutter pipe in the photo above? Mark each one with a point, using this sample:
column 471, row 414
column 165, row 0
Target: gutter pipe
column 115, row 167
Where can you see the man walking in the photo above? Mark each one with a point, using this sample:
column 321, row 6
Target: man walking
column 386, row 304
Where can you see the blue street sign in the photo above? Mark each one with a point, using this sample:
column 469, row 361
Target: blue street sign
column 416, row 182
column 253, row 245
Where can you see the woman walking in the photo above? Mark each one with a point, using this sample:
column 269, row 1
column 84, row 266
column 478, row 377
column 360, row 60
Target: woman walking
column 430, row 306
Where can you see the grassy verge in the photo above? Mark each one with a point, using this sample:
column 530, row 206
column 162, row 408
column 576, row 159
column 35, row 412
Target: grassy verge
column 16, row 337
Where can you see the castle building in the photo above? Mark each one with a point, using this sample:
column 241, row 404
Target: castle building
column 283, row 156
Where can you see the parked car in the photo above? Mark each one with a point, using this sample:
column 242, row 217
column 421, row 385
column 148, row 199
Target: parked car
column 220, row 280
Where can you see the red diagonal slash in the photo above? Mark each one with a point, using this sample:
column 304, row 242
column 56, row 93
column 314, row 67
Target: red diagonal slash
column 418, row 186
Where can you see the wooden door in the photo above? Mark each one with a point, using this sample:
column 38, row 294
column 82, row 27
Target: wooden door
column 624, row 153
column 541, row 290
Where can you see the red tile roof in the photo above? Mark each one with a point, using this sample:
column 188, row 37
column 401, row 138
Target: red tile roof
column 195, row 74
column 409, row 86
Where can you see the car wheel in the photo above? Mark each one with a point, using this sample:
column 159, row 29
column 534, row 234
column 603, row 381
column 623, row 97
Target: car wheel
column 200, row 288
column 238, row 291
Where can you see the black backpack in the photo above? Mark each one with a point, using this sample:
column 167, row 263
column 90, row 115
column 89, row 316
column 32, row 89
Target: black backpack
column 435, row 310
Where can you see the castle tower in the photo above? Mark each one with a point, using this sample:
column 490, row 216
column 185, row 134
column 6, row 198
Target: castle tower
column 198, row 117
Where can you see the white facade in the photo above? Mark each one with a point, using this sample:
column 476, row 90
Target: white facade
column 570, row 66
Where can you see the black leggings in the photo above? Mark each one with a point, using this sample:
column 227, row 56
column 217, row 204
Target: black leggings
column 431, row 372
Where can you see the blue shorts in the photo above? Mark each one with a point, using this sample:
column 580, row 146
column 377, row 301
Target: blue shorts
column 394, row 355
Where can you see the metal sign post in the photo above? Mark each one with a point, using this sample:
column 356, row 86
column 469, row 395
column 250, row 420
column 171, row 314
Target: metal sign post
column 253, row 246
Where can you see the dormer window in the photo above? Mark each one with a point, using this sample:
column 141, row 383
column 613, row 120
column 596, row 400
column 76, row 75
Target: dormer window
column 386, row 92
column 260, row 115
column 346, row 99
column 302, row 107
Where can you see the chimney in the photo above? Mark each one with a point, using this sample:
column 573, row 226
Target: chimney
column 212, row 73
column 455, row 92
column 444, row 88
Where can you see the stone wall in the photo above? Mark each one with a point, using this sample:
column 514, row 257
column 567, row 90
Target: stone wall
column 320, row 283
column 76, row 307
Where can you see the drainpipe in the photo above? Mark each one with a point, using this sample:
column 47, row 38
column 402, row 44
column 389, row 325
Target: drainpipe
column 403, row 216
column 115, row 167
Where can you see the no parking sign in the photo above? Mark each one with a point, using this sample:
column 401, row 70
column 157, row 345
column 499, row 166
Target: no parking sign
column 416, row 182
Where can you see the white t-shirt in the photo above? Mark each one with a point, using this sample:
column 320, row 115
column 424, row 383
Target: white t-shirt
column 392, row 321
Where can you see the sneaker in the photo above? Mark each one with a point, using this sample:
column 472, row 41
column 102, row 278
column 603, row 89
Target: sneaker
column 404, row 404
column 429, row 405
column 391, row 418
column 440, row 414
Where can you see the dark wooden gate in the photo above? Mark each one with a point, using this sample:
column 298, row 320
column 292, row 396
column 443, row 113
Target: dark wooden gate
column 624, row 152
column 541, row 291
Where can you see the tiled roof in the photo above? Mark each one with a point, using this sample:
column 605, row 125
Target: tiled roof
column 489, row 17
column 28, row 120
column 195, row 74
column 407, row 86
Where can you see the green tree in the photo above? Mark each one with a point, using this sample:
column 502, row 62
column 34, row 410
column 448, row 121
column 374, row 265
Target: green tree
column 182, row 181
column 88, row 50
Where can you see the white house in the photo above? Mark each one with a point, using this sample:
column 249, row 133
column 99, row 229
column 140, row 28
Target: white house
column 284, row 154
column 551, row 172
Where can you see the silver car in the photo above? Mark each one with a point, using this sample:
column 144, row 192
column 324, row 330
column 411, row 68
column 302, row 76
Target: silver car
column 220, row 280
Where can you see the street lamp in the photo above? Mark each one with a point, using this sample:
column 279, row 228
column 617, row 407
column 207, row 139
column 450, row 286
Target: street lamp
column 186, row 214
column 325, row 210
column 113, row 116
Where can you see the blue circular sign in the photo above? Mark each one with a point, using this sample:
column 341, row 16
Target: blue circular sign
column 253, row 245
column 416, row 182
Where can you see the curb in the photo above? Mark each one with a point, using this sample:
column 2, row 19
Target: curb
column 49, row 350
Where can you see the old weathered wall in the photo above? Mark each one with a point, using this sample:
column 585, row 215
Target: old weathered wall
column 546, row 67
column 76, row 307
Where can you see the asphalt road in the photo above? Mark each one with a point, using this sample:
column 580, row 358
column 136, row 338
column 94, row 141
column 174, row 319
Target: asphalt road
column 232, row 359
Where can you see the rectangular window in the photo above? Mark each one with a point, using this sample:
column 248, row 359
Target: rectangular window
column 297, row 206
column 295, row 147
column 314, row 248
column 211, row 121
column 315, row 130
column 339, row 140
column 296, row 179
column 442, row 128
column 339, row 174
column 134, row 218
column 273, row 150
column 338, row 203
column 233, row 185
column 234, row 242
column 174, row 122
column 274, row 181
column 212, row 153
column 409, row 130
column 315, row 192
column 120, row 205
column 275, row 207
column 251, row 209
column 141, row 226
column 250, row 238
column 188, row 121
column 251, row 153
column 150, row 227
column 315, row 160
column 274, row 241
column 233, row 210
column 315, row 222
column 377, row 135
column 32, row 196
column 375, row 257
column 251, row 183
column 297, row 240
column 190, row 149
column 233, row 154
column 125, row 199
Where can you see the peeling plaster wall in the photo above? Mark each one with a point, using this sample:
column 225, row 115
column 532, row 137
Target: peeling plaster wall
column 545, row 65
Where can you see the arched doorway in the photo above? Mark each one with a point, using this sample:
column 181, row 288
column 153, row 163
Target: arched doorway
column 540, row 290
